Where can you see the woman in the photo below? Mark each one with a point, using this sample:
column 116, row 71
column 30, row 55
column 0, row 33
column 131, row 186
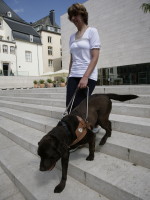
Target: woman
column 84, row 48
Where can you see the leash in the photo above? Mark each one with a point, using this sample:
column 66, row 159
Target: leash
column 72, row 101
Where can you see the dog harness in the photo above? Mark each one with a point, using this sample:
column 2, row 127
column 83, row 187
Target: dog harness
column 81, row 131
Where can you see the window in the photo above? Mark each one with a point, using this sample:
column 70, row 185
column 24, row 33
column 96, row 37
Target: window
column 1, row 37
column 50, row 28
column 50, row 63
column 61, row 52
column 49, row 39
column 5, row 49
column 38, row 28
column 58, row 30
column 12, row 49
column 111, row 70
column 9, row 14
column 50, row 50
column 31, row 38
column 28, row 56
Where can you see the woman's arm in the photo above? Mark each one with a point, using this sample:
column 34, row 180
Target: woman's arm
column 94, row 59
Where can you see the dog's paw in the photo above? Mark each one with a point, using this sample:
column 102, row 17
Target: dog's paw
column 90, row 158
column 59, row 188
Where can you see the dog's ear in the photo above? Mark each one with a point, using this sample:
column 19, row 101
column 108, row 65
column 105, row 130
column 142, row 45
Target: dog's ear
column 46, row 137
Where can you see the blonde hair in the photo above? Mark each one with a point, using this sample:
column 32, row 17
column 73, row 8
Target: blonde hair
column 78, row 9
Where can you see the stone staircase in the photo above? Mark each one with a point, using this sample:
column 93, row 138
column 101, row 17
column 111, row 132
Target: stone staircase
column 120, row 171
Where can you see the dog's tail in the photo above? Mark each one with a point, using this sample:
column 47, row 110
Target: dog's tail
column 119, row 97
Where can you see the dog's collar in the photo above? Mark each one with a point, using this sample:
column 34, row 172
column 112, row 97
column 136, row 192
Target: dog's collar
column 64, row 124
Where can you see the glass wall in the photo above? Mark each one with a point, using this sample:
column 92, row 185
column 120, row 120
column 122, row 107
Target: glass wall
column 125, row 75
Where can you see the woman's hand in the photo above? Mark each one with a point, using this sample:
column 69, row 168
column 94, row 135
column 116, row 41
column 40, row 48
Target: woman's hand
column 83, row 82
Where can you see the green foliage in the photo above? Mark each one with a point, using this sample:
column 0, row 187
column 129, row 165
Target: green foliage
column 146, row 7
column 62, row 80
column 35, row 82
column 49, row 80
column 41, row 81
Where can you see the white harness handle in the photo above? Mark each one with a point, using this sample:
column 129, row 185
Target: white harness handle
column 72, row 101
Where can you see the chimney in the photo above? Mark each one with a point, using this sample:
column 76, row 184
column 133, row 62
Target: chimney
column 52, row 17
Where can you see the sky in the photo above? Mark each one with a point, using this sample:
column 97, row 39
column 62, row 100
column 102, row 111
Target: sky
column 33, row 10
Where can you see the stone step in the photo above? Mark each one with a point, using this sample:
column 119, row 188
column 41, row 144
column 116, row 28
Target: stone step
column 122, row 123
column 49, row 111
column 38, row 122
column 8, row 190
column 23, row 168
column 38, row 101
column 128, row 147
column 112, row 177
column 109, row 176
column 36, row 95
column 122, row 89
column 139, row 126
column 137, row 110
column 132, row 148
column 34, row 90
column 60, row 101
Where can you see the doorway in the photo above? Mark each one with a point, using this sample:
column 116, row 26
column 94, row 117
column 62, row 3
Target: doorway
column 5, row 69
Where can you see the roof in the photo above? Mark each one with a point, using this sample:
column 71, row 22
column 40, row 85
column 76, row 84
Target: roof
column 47, row 21
column 21, row 27
column 4, row 8
column 21, row 30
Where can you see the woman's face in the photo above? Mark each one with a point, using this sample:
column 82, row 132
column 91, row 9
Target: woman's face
column 77, row 20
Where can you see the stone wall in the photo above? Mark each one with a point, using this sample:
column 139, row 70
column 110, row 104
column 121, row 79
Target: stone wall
column 19, row 81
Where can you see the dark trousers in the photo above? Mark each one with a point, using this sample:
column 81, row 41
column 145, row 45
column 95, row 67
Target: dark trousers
column 81, row 93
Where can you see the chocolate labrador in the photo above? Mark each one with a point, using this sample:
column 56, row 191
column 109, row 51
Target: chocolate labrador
column 57, row 143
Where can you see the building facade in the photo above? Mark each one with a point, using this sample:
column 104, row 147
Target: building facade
column 125, row 36
column 20, row 45
column 50, row 34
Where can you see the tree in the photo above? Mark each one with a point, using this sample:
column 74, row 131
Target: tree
column 146, row 7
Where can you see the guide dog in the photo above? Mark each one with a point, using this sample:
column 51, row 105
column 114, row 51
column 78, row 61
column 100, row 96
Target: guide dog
column 57, row 143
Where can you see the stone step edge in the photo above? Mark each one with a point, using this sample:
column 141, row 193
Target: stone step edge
column 88, row 179
column 45, row 126
column 49, row 110
column 15, row 174
column 113, row 117
column 122, row 151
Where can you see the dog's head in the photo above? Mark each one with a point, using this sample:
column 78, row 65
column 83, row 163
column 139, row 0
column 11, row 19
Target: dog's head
column 50, row 150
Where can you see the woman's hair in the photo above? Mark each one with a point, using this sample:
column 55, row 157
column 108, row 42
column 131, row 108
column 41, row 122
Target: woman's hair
column 78, row 9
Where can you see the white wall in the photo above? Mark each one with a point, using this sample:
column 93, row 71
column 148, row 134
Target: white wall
column 56, row 57
column 33, row 68
column 6, row 32
column 124, row 31
column 17, row 61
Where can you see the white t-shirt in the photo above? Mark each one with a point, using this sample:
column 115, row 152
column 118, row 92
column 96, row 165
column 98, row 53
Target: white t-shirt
column 80, row 50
